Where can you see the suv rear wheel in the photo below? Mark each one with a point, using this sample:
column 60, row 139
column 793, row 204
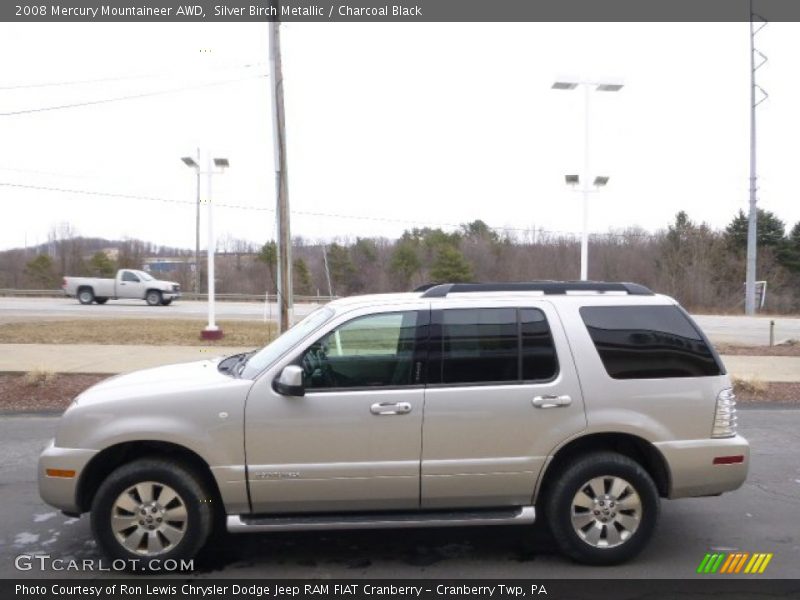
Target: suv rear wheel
column 602, row 509
column 151, row 509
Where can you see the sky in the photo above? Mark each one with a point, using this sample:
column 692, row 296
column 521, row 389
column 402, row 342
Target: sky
column 389, row 126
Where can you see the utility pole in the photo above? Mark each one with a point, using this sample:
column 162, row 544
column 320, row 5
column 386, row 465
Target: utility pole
column 752, row 223
column 284, row 245
column 327, row 270
column 197, row 234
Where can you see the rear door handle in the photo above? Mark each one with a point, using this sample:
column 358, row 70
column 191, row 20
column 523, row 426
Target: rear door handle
column 551, row 401
column 390, row 408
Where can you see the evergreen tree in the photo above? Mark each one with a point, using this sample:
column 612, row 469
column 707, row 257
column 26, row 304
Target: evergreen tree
column 101, row 266
column 769, row 229
column 450, row 266
column 405, row 262
column 302, row 278
column 40, row 270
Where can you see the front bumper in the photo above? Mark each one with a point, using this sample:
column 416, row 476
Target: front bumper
column 692, row 468
column 61, row 492
column 170, row 295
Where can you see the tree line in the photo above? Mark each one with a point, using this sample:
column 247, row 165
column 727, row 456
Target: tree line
column 701, row 267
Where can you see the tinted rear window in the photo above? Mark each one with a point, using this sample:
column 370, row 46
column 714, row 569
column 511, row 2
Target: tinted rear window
column 648, row 342
column 492, row 345
column 479, row 345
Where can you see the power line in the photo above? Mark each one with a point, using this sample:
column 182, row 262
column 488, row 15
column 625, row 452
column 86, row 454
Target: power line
column 128, row 97
column 314, row 213
column 123, row 196
column 25, row 86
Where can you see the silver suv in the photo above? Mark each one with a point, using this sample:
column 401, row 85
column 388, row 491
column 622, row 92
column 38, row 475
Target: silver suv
column 457, row 404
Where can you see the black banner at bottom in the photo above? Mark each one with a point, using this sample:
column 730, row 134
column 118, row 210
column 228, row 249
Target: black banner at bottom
column 424, row 589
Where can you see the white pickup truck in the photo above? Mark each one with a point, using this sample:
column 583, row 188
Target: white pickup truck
column 127, row 284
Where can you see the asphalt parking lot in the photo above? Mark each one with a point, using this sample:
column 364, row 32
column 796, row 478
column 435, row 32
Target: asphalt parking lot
column 760, row 517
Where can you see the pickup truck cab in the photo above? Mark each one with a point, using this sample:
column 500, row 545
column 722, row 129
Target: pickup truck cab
column 128, row 284
column 454, row 405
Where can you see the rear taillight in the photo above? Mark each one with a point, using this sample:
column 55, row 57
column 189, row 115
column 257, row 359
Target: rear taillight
column 725, row 415
column 64, row 282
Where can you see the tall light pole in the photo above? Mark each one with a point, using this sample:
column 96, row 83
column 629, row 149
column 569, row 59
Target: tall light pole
column 752, row 222
column 213, row 166
column 573, row 181
column 588, row 86
column 189, row 162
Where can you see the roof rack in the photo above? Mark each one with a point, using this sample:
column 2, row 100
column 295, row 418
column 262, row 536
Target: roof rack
column 441, row 290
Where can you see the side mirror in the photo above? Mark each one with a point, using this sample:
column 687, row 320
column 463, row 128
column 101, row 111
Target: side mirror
column 290, row 381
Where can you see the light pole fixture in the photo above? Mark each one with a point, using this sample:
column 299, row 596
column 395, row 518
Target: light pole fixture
column 213, row 167
column 588, row 86
column 573, row 181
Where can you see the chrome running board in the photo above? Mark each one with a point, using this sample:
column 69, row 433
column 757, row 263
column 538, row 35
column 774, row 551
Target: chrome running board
column 385, row 520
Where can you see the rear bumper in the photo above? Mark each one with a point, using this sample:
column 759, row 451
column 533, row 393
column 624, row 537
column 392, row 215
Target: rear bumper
column 693, row 471
column 61, row 492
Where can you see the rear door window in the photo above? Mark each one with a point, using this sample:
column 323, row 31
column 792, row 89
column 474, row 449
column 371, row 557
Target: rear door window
column 649, row 342
column 491, row 345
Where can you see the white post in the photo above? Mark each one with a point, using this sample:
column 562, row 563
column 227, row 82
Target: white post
column 585, row 236
column 212, row 326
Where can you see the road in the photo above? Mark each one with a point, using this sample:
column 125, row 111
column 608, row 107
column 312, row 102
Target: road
column 18, row 309
column 728, row 329
column 760, row 517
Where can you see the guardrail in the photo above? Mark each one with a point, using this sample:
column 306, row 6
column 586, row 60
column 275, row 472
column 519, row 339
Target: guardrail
column 229, row 297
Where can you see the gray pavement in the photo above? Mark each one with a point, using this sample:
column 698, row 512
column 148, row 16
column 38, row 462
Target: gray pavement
column 727, row 329
column 760, row 517
column 85, row 358
column 25, row 309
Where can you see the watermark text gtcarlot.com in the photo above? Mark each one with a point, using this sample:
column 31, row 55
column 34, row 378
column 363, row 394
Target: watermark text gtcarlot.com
column 45, row 562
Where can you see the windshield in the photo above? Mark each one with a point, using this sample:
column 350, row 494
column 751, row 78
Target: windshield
column 144, row 275
column 270, row 353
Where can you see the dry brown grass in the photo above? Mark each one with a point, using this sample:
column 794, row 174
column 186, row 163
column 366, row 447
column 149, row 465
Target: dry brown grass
column 39, row 377
column 752, row 388
column 159, row 332
column 783, row 349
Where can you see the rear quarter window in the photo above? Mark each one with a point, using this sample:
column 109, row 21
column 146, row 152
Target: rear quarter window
column 649, row 342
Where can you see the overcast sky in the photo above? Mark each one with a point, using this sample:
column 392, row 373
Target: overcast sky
column 389, row 125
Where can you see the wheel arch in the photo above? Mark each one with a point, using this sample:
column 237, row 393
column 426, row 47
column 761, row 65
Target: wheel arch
column 104, row 462
column 632, row 446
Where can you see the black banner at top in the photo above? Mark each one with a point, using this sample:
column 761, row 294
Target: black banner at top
column 413, row 11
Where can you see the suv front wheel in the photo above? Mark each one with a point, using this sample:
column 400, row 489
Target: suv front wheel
column 151, row 509
column 602, row 509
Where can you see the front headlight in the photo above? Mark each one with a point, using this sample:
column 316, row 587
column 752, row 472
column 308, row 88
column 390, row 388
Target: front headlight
column 725, row 415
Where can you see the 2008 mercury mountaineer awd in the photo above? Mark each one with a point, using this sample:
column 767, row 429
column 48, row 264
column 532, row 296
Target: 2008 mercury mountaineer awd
column 456, row 404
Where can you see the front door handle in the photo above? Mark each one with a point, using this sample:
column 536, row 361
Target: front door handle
column 390, row 408
column 551, row 401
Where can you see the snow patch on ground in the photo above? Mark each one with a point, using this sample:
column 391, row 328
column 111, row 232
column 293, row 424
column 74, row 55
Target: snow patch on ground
column 42, row 517
column 26, row 538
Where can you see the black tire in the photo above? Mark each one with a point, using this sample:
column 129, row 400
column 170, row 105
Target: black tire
column 166, row 302
column 191, row 491
column 101, row 300
column 572, row 480
column 153, row 297
column 86, row 295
